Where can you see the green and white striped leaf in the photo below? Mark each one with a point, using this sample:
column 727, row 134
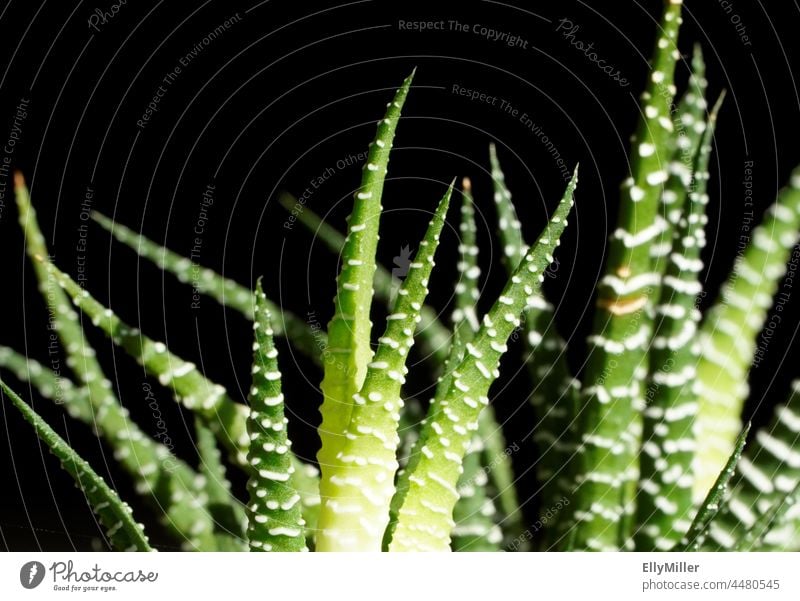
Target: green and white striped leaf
column 228, row 513
column 714, row 501
column 768, row 472
column 357, row 491
column 664, row 501
column 432, row 336
column 612, row 399
column 475, row 512
column 275, row 521
column 225, row 291
column 52, row 386
column 554, row 392
column 730, row 332
column 116, row 517
column 690, row 126
column 425, row 518
column 350, row 327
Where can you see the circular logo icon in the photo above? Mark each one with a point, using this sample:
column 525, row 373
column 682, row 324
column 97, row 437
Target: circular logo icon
column 31, row 574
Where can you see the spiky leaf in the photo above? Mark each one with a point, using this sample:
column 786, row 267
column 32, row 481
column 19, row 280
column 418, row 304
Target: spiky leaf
column 425, row 517
column 730, row 332
column 357, row 492
column 606, row 466
column 275, row 522
column 123, row 531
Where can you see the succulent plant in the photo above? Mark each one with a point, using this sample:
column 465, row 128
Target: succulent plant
column 647, row 450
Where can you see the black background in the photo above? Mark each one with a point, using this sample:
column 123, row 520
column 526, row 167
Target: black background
column 285, row 93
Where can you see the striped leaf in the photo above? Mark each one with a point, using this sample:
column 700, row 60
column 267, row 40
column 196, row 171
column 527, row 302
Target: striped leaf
column 768, row 471
column 49, row 384
column 690, row 126
column 713, row 503
column 228, row 513
column 275, row 522
column 613, row 397
column 195, row 392
column 357, row 491
column 475, row 512
column 554, row 391
column 225, row 291
column 425, row 516
column 664, row 500
column 350, row 328
column 729, row 335
column 116, row 517
column 432, row 336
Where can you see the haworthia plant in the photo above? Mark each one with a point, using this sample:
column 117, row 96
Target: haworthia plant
column 116, row 517
column 276, row 523
column 425, row 519
column 612, row 396
column 730, row 331
column 457, row 471
column 223, row 290
column 433, row 337
column 664, row 502
column 362, row 482
column 769, row 470
column 711, row 506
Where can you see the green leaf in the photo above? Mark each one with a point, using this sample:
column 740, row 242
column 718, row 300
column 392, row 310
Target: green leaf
column 474, row 513
column 729, row 335
column 714, row 500
column 275, row 522
column 433, row 337
column 226, row 292
column 49, row 384
column 115, row 516
column 612, row 399
column 554, row 391
column 357, row 491
column 425, row 517
column 769, row 470
column 350, row 327
column 228, row 513
column 225, row 417
column 755, row 537
column 664, row 500
column 690, row 127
